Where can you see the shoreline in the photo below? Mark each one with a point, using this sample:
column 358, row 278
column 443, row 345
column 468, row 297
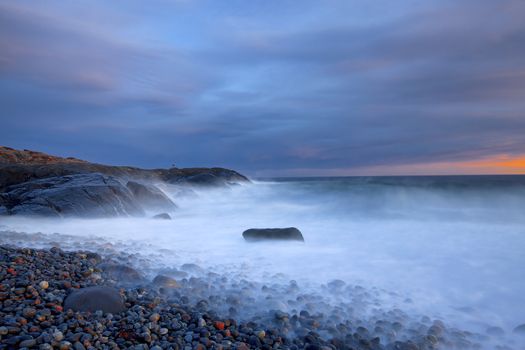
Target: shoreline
column 167, row 312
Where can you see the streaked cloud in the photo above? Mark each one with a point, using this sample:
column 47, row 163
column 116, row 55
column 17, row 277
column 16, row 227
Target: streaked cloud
column 268, row 87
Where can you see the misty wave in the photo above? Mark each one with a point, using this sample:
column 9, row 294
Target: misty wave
column 450, row 251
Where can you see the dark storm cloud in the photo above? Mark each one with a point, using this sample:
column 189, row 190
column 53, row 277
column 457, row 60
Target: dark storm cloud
column 265, row 87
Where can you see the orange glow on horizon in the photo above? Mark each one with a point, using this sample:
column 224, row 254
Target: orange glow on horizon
column 494, row 165
column 501, row 164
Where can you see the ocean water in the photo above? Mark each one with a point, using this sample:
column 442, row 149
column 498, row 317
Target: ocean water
column 450, row 248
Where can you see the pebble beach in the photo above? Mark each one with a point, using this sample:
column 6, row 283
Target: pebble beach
column 188, row 307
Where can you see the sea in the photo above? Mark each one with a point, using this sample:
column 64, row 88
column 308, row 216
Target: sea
column 448, row 247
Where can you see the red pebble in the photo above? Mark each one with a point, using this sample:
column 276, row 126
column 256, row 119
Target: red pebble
column 11, row 271
column 219, row 325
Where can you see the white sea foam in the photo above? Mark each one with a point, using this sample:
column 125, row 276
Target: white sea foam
column 457, row 256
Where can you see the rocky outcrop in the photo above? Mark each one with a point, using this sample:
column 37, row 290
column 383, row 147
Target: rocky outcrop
column 34, row 183
column 265, row 234
column 150, row 196
column 22, row 166
column 85, row 195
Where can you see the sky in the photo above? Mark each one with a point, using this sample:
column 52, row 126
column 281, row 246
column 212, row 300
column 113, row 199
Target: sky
column 269, row 88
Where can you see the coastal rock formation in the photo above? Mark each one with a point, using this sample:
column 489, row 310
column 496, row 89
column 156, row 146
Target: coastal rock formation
column 264, row 234
column 91, row 299
column 34, row 183
column 150, row 196
column 20, row 166
column 84, row 195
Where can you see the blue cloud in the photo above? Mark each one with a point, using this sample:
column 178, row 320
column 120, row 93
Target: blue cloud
column 264, row 86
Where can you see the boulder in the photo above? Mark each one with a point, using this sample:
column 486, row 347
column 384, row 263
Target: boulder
column 165, row 281
column 150, row 196
column 264, row 234
column 84, row 195
column 120, row 273
column 91, row 299
column 162, row 216
column 191, row 268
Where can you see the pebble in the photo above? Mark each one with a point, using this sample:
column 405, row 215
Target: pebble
column 65, row 345
column 201, row 313
column 154, row 317
column 58, row 336
column 29, row 312
column 29, row 343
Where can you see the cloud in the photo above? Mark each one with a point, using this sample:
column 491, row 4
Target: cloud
column 269, row 87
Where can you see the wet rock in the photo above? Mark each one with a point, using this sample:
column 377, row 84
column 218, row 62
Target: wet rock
column 265, row 234
column 336, row 284
column 165, row 281
column 29, row 343
column 95, row 298
column 150, row 196
column 192, row 268
column 121, row 273
column 29, row 312
column 162, row 216
column 154, row 317
column 85, row 195
column 58, row 335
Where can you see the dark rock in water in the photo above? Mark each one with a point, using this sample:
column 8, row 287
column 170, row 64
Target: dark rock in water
column 192, row 268
column 120, row 273
column 336, row 284
column 96, row 298
column 263, row 234
column 165, row 281
column 150, row 196
column 72, row 195
column 520, row 329
column 162, row 216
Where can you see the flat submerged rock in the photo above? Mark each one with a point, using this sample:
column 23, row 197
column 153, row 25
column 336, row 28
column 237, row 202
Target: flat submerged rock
column 270, row 234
